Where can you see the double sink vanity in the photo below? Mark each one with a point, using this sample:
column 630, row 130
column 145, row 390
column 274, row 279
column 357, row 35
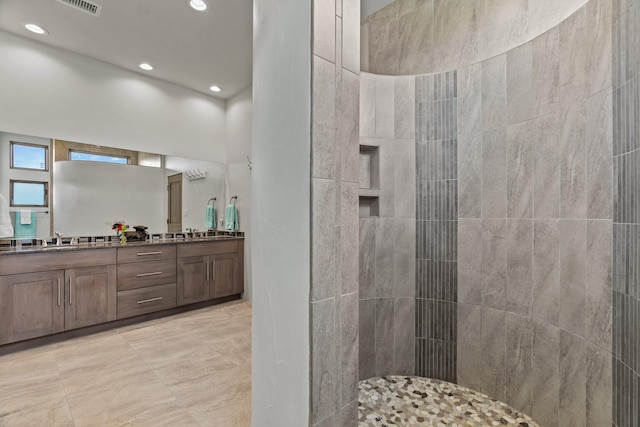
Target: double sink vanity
column 54, row 289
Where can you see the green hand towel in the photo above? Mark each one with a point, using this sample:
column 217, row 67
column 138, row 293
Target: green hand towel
column 210, row 217
column 231, row 218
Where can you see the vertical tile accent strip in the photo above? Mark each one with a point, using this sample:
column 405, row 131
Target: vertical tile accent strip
column 626, row 217
column 436, row 225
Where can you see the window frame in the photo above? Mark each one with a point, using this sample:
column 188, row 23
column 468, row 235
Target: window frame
column 29, row 144
column 26, row 181
column 127, row 158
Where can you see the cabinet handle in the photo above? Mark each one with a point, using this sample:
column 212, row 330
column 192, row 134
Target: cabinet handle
column 144, row 301
column 207, row 270
column 148, row 253
column 155, row 273
column 70, row 291
column 213, row 270
column 59, row 293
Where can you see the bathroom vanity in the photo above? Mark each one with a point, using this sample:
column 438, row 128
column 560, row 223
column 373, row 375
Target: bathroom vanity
column 48, row 290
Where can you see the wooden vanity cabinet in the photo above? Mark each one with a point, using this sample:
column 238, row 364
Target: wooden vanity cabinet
column 90, row 296
column 31, row 305
column 209, row 270
column 146, row 279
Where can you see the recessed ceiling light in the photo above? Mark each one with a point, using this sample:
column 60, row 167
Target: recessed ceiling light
column 146, row 67
column 215, row 88
column 199, row 5
column 36, row 29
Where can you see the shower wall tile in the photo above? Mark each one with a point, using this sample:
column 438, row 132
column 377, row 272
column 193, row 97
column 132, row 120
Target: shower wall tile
column 323, row 236
column 470, row 175
column 573, row 372
column 367, row 338
column 367, row 105
column 387, row 154
column 405, row 258
column 574, row 62
column 385, row 122
column 404, row 341
column 367, row 247
column 598, row 134
column 520, row 94
column 546, row 374
column 347, row 258
column 347, row 415
column 384, row 324
column 546, row 272
column 598, row 386
column 546, row 71
column 323, row 359
column 520, row 140
column 512, row 31
column 323, row 120
column 470, row 261
column 573, row 165
column 349, row 130
column 350, row 45
column 494, row 93
column 598, row 304
column 385, row 258
column 404, row 107
column 599, row 42
column 493, row 353
column 404, row 178
column 349, row 343
column 470, row 99
column 519, row 266
column 573, row 264
column 494, row 173
column 384, row 34
column 324, row 30
column 455, row 26
column 546, row 167
column 416, row 39
column 469, row 346
column 519, row 371
column 494, row 263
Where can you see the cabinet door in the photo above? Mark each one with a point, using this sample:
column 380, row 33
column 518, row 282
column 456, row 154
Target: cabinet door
column 223, row 280
column 193, row 279
column 31, row 305
column 91, row 296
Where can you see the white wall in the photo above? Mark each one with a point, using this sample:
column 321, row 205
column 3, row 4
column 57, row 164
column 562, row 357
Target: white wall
column 238, row 182
column 280, row 217
column 90, row 196
column 54, row 93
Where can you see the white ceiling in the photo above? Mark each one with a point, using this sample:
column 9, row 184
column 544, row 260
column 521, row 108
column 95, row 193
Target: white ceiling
column 188, row 48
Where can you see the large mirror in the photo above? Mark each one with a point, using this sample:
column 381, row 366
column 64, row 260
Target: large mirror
column 81, row 189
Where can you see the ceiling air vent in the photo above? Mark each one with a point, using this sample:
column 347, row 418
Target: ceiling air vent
column 83, row 5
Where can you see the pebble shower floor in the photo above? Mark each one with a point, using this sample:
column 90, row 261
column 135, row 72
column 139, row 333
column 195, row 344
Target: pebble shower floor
column 418, row 401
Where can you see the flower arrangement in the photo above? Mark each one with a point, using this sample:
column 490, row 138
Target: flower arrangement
column 121, row 229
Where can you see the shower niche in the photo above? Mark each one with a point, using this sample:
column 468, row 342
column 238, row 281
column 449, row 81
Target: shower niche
column 369, row 180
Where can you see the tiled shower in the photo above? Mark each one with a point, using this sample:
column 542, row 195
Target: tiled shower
column 525, row 190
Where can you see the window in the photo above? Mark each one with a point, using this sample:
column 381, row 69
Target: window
column 95, row 157
column 29, row 156
column 29, row 193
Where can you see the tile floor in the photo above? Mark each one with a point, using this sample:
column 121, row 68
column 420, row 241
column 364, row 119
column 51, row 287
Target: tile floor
column 191, row 369
column 419, row 401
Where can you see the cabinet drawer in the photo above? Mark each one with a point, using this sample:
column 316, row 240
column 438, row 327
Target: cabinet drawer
column 142, row 274
column 208, row 248
column 146, row 300
column 146, row 253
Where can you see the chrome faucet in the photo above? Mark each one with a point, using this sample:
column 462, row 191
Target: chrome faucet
column 58, row 238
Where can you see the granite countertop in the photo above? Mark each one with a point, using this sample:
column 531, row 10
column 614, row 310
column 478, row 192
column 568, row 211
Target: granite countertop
column 10, row 247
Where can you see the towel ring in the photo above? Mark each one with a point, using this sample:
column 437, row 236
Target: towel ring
column 232, row 199
column 214, row 201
